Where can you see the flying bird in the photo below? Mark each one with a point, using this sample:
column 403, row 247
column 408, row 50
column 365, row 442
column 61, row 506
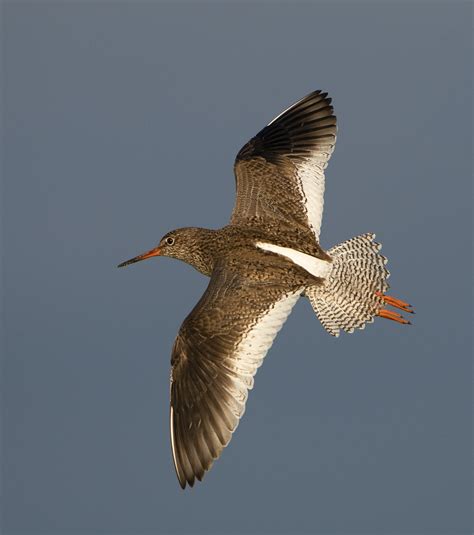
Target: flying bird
column 259, row 265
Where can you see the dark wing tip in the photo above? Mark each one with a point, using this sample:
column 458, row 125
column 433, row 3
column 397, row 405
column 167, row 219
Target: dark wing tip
column 306, row 126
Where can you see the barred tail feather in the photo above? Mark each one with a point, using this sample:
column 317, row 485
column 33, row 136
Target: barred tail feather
column 352, row 294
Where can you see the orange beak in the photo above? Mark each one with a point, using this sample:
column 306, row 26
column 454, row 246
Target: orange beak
column 154, row 252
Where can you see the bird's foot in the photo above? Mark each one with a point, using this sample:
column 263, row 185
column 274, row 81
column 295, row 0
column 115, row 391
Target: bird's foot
column 396, row 303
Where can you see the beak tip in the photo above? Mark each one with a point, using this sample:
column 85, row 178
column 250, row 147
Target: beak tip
column 154, row 252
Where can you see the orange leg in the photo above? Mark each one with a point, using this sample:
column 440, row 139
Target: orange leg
column 396, row 303
column 394, row 316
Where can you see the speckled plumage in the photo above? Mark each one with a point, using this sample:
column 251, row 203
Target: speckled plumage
column 259, row 265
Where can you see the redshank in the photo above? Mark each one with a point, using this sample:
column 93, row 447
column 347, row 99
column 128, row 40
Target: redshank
column 259, row 265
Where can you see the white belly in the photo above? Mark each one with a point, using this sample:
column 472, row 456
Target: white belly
column 314, row 266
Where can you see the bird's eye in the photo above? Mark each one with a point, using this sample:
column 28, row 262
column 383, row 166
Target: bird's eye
column 170, row 240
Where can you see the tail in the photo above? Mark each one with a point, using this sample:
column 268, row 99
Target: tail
column 354, row 292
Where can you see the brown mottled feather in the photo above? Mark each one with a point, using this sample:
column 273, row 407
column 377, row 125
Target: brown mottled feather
column 268, row 168
column 209, row 378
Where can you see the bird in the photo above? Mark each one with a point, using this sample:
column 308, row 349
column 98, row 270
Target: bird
column 259, row 265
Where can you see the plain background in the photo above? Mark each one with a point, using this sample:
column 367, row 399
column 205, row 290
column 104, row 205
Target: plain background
column 122, row 121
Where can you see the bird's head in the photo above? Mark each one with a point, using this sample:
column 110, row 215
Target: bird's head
column 190, row 244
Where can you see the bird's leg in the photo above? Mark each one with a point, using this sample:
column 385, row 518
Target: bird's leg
column 396, row 303
column 394, row 316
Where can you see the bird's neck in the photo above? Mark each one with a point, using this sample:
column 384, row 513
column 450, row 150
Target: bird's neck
column 203, row 254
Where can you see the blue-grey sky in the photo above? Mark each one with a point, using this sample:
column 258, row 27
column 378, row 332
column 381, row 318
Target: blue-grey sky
column 121, row 120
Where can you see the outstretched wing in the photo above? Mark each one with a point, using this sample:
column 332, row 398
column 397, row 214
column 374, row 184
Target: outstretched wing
column 215, row 357
column 280, row 172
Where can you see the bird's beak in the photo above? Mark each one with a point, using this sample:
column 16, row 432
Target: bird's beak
column 154, row 252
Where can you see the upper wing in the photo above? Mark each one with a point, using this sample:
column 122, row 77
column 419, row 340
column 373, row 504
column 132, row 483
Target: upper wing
column 280, row 172
column 215, row 356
